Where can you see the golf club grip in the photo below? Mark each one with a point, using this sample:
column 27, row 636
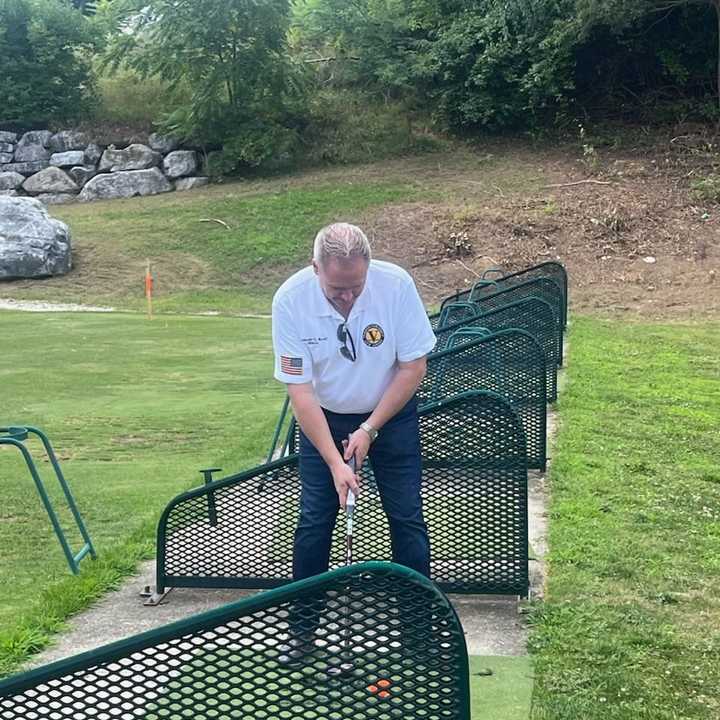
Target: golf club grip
column 350, row 503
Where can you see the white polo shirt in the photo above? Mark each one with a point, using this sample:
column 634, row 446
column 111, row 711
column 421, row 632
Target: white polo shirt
column 388, row 323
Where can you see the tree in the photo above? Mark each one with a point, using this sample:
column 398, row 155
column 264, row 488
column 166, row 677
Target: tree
column 662, row 6
column 44, row 50
column 504, row 64
column 229, row 53
column 86, row 7
column 368, row 44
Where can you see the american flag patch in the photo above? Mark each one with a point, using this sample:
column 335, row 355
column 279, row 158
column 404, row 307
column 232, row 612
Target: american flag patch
column 291, row 365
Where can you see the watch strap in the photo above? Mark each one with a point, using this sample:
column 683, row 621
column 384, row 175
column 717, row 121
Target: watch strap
column 370, row 430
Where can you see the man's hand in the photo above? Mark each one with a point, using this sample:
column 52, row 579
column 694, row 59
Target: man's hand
column 344, row 479
column 358, row 445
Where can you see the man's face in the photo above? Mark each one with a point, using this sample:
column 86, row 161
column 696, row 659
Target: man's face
column 342, row 280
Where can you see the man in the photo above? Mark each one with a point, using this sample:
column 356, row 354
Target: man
column 350, row 336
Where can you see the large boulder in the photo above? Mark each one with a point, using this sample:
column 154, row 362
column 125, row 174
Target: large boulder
column 36, row 137
column 82, row 173
column 25, row 168
column 68, row 159
column 67, row 140
column 93, row 153
column 33, row 146
column 11, row 180
column 31, row 153
column 133, row 157
column 32, row 244
column 126, row 184
column 49, row 180
column 180, row 163
column 163, row 143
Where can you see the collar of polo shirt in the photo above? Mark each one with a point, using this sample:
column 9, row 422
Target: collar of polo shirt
column 323, row 307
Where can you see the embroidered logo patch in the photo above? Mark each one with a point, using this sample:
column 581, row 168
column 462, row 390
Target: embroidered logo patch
column 373, row 335
column 291, row 365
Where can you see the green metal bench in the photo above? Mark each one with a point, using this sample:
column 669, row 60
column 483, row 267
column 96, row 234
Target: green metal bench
column 16, row 436
column 530, row 314
column 510, row 363
column 495, row 279
column 406, row 644
column 474, row 490
column 542, row 288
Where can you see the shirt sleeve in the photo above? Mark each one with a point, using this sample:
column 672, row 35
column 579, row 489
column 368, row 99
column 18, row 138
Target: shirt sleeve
column 293, row 362
column 415, row 337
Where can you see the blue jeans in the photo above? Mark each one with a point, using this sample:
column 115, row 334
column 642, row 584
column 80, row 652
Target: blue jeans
column 396, row 464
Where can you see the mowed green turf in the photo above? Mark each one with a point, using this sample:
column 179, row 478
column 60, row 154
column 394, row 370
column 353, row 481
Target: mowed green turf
column 630, row 625
column 134, row 408
column 224, row 247
column 500, row 687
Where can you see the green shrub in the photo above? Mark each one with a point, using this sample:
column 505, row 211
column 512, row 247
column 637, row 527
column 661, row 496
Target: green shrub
column 243, row 93
column 350, row 127
column 269, row 146
column 125, row 97
column 706, row 189
column 45, row 74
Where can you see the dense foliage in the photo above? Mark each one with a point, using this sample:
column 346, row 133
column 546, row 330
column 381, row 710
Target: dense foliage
column 245, row 94
column 522, row 63
column 45, row 75
column 264, row 82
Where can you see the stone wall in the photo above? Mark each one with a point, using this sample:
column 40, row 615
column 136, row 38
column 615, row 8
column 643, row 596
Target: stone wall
column 68, row 166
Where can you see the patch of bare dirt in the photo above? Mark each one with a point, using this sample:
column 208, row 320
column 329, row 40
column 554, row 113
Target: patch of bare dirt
column 631, row 237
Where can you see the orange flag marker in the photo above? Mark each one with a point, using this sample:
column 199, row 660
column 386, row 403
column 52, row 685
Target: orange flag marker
column 149, row 289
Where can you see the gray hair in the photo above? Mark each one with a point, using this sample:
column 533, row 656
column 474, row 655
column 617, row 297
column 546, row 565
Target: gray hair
column 340, row 240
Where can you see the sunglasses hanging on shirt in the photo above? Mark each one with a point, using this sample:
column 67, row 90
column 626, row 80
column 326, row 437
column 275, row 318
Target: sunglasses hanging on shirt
column 343, row 335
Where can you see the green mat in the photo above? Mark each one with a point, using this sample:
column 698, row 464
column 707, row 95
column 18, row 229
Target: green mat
column 506, row 693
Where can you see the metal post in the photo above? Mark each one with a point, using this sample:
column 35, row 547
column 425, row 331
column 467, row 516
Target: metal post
column 212, row 512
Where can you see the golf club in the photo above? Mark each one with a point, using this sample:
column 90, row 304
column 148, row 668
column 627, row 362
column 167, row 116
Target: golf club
column 346, row 667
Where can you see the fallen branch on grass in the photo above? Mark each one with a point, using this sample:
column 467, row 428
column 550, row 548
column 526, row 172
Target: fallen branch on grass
column 467, row 268
column 215, row 220
column 578, row 182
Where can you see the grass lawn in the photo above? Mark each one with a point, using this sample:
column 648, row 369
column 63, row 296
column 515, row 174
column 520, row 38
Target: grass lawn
column 630, row 627
column 500, row 687
column 134, row 408
column 227, row 247
column 224, row 248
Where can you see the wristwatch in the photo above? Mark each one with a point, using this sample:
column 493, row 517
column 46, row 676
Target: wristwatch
column 370, row 430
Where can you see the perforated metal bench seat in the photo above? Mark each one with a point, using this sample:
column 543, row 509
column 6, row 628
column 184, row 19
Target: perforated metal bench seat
column 405, row 645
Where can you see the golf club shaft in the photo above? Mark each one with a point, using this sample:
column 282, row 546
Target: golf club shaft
column 349, row 512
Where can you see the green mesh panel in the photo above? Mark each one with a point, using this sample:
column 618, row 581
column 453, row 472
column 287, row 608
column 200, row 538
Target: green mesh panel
column 542, row 288
column 510, row 363
column 474, row 490
column 552, row 270
column 400, row 639
column 530, row 314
